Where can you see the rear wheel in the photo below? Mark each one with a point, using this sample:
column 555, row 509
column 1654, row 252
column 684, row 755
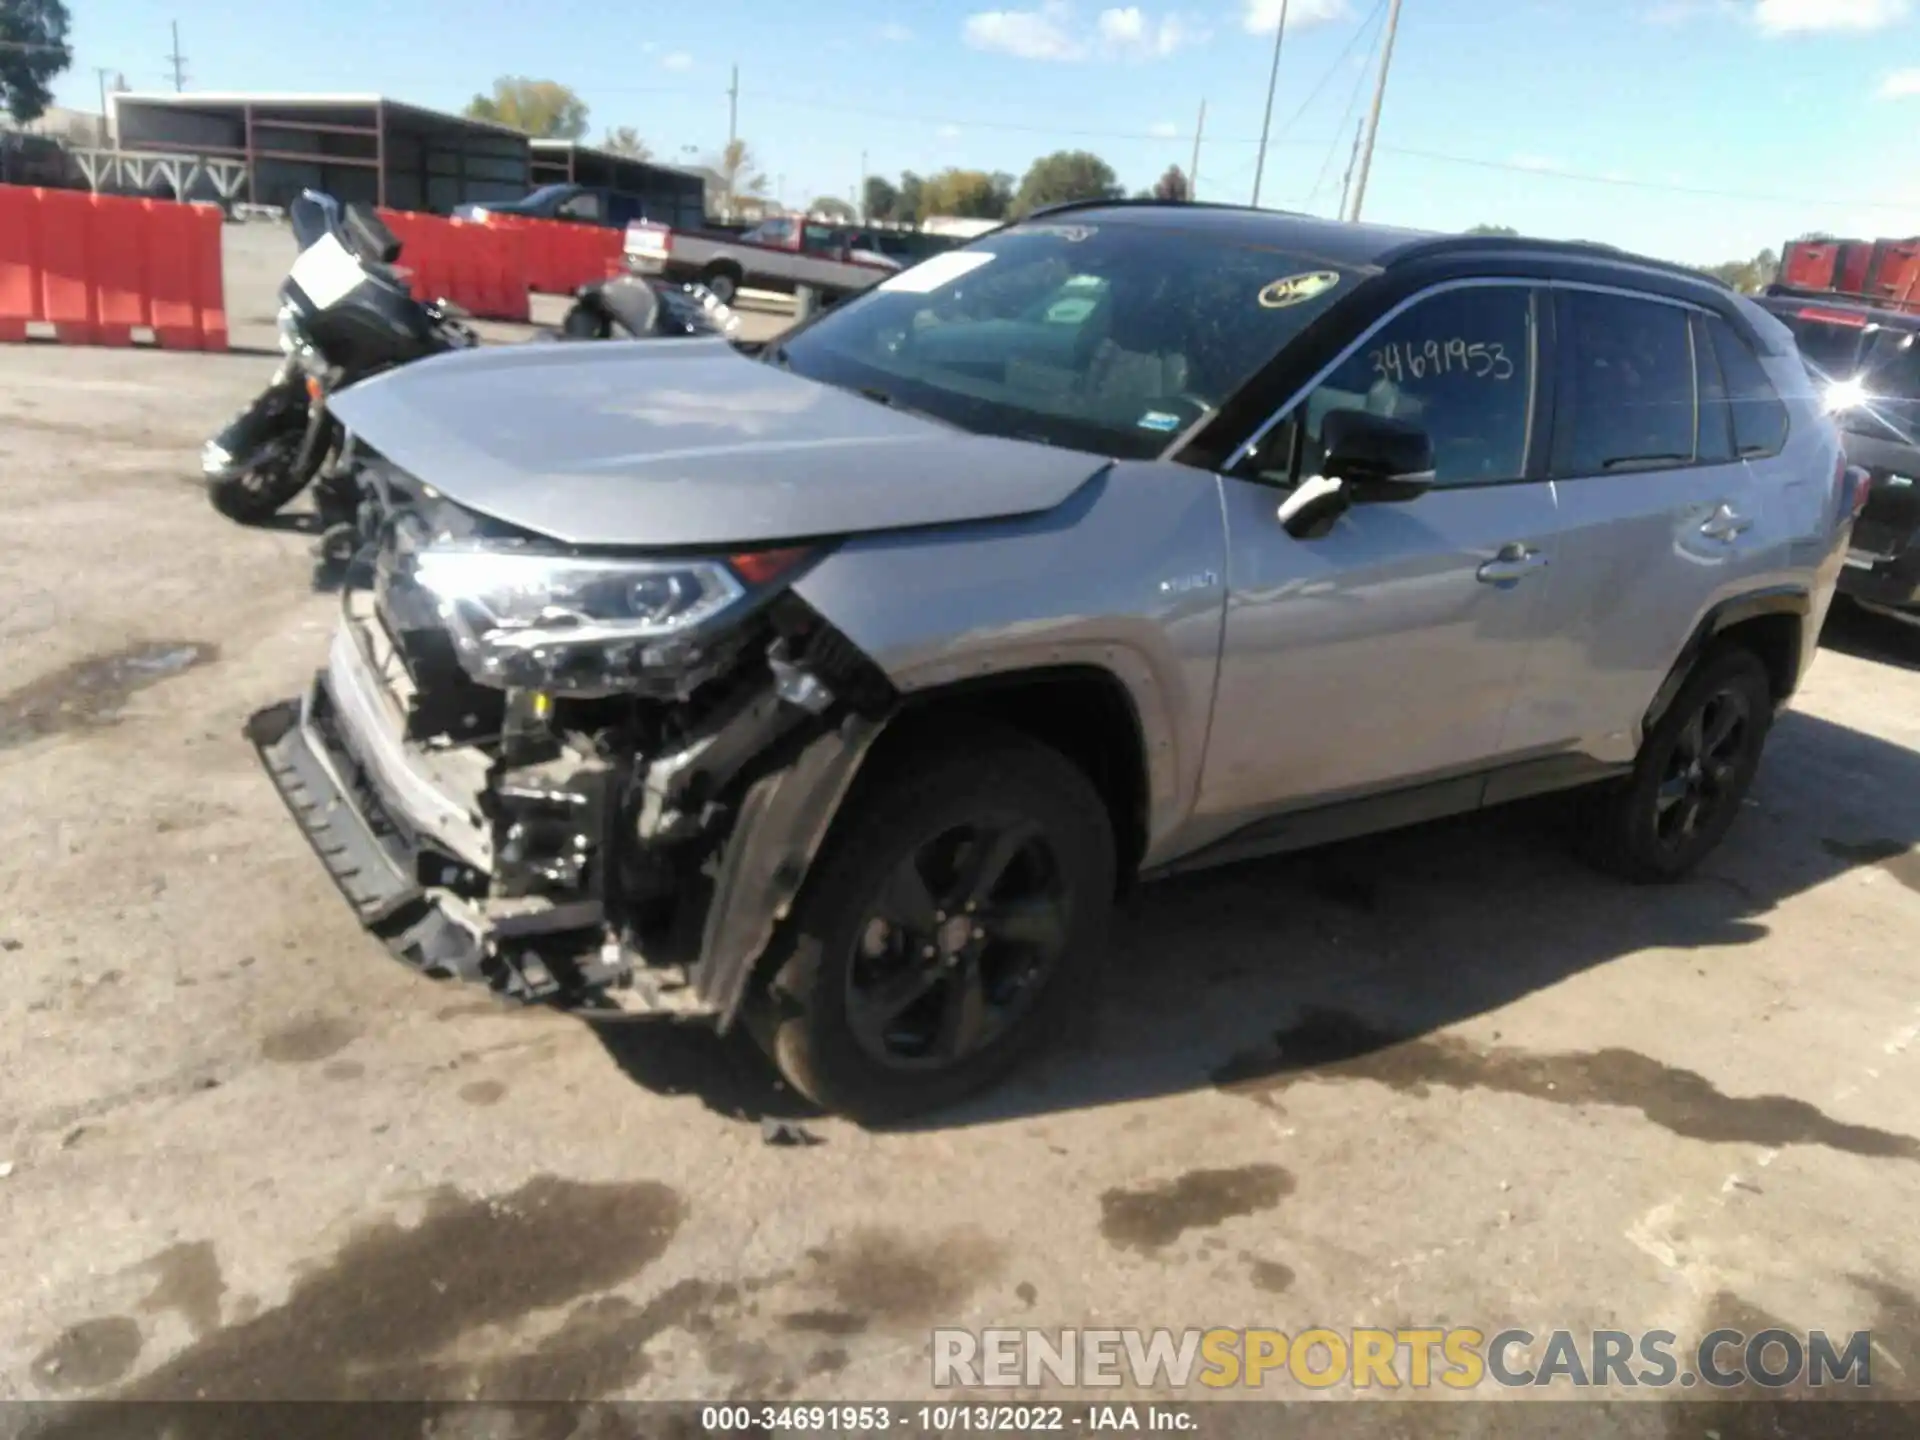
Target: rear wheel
column 956, row 914
column 1693, row 773
column 722, row 281
column 584, row 323
column 264, row 487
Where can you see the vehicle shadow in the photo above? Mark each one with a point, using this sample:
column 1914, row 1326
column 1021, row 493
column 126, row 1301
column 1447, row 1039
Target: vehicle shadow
column 1867, row 636
column 1237, row 976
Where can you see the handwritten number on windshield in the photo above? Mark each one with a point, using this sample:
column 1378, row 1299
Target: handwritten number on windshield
column 1403, row 360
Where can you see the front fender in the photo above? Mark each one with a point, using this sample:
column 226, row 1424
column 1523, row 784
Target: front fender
column 1127, row 576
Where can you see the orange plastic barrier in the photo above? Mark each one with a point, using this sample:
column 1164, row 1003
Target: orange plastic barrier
column 478, row 267
column 561, row 256
column 98, row 269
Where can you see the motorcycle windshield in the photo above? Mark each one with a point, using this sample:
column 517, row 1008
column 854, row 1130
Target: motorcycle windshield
column 314, row 216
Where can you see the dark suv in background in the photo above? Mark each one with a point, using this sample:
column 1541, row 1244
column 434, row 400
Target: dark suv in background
column 1866, row 362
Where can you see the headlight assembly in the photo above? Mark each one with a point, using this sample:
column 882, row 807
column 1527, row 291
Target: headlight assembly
column 579, row 625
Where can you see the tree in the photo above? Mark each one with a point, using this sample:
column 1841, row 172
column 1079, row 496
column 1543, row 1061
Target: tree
column 912, row 207
column 739, row 172
column 1063, row 176
column 1493, row 230
column 33, row 49
column 625, row 140
column 881, row 201
column 833, row 208
column 973, row 194
column 545, row 109
column 1173, row 185
column 1748, row 276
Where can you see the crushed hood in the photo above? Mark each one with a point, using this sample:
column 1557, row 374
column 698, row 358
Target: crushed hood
column 686, row 442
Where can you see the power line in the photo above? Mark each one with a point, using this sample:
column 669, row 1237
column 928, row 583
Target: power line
column 1353, row 102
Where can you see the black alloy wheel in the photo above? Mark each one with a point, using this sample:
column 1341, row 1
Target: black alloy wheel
column 953, row 918
column 961, row 939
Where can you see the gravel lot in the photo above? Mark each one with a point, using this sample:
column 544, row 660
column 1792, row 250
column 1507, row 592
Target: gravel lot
column 1442, row 1077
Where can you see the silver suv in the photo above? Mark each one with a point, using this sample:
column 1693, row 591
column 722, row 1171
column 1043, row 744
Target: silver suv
column 835, row 687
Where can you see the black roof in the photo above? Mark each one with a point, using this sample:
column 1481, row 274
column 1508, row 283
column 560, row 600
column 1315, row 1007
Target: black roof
column 1353, row 245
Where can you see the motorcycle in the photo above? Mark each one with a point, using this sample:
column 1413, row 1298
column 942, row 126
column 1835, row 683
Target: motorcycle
column 346, row 314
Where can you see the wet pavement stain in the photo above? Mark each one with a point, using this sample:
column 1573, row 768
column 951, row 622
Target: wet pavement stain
column 373, row 1321
column 1154, row 1216
column 305, row 1041
column 94, row 692
column 1270, row 1276
column 1027, row 1293
column 827, row 1362
column 187, row 1282
column 599, row 1349
column 898, row 1280
column 825, row 1322
column 1899, row 860
column 1330, row 1045
column 89, row 1355
column 482, row 1092
column 342, row 1070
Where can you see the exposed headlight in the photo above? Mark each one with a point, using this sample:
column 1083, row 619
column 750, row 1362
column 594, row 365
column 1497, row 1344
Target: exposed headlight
column 287, row 322
column 578, row 625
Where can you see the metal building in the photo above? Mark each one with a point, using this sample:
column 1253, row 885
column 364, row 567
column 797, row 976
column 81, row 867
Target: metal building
column 357, row 147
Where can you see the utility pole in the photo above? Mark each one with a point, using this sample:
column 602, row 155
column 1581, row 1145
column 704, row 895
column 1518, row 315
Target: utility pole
column 860, row 195
column 1273, row 77
column 178, row 61
column 1373, row 119
column 1193, row 170
column 1346, row 185
column 101, row 72
column 733, row 124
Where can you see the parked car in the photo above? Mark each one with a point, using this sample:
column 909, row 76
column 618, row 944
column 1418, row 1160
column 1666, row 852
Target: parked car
column 783, row 255
column 1867, row 364
column 835, row 688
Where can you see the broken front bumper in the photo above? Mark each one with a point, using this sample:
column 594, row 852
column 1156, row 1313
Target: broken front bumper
column 401, row 832
column 401, row 842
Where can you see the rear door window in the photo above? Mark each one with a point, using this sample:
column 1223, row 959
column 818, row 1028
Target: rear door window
column 1628, row 396
column 1759, row 417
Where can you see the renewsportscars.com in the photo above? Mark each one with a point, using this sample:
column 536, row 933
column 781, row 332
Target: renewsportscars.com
column 1416, row 1358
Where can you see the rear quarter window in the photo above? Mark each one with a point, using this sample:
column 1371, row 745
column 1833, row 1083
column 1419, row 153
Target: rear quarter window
column 1759, row 415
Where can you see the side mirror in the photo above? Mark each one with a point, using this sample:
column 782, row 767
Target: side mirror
column 1370, row 460
column 1380, row 460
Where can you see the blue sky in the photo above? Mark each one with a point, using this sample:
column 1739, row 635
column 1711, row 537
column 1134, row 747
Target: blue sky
column 1588, row 119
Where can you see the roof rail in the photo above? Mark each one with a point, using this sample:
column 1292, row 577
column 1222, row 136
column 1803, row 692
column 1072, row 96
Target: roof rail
column 1444, row 244
column 1151, row 203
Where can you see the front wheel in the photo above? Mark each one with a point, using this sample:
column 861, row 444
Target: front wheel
column 269, row 482
column 1692, row 775
column 956, row 914
column 722, row 283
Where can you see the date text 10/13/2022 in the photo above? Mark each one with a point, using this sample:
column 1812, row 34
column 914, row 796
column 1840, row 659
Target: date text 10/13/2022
column 956, row 1419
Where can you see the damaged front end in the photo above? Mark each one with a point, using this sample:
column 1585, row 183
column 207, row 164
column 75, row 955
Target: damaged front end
column 577, row 778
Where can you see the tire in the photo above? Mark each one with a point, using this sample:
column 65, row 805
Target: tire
column 723, row 281
column 259, row 492
column 1669, row 814
column 838, row 968
column 584, row 323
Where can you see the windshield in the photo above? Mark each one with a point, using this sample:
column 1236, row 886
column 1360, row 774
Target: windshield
column 312, row 215
column 1109, row 337
column 1880, row 365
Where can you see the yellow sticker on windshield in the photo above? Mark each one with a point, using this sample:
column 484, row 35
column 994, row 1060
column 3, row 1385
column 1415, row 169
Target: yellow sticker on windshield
column 1296, row 288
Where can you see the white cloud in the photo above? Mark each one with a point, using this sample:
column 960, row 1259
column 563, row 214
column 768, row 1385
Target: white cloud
column 895, row 33
column 1785, row 17
column 1165, row 129
column 678, row 60
column 1262, row 17
column 1054, row 32
column 1900, row 84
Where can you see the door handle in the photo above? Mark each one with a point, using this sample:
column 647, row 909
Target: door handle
column 1511, row 564
column 1725, row 524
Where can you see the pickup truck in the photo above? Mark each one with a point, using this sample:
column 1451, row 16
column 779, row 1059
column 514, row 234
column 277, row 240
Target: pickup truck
column 787, row 254
column 578, row 204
